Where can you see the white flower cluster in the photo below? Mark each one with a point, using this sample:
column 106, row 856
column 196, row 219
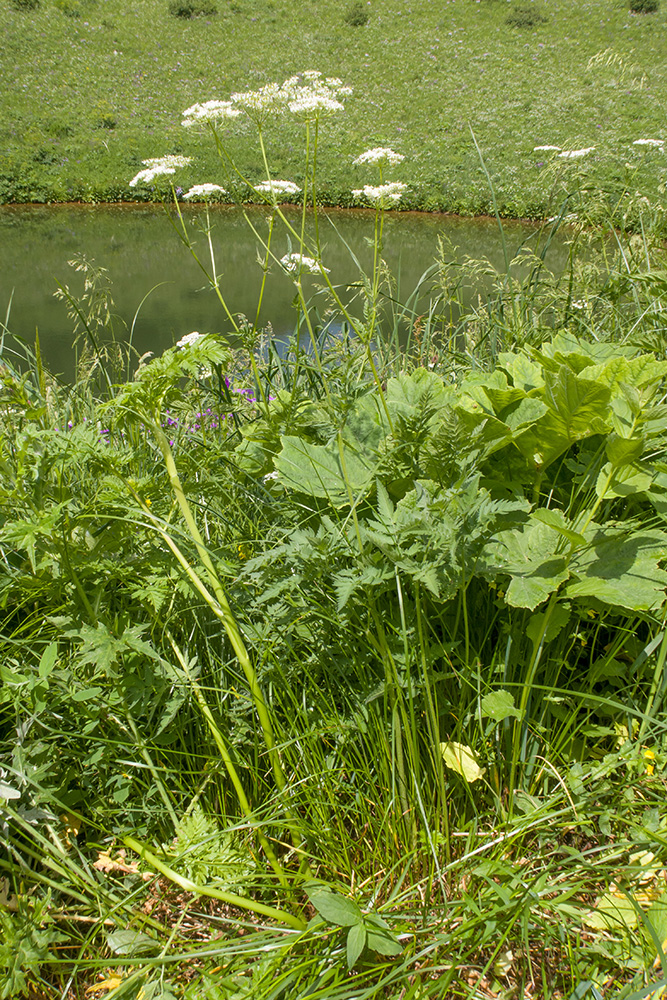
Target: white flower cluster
column 156, row 167
column 308, row 95
column 210, row 111
column 296, row 262
column 189, row 339
column 204, row 191
column 649, row 142
column 384, row 195
column 547, row 149
column 574, row 154
column 379, row 156
column 275, row 187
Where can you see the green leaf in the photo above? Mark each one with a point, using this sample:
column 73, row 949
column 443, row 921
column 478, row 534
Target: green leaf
column 48, row 659
column 657, row 917
column 622, row 569
column 334, row 908
column 460, row 758
column 560, row 615
column 128, row 942
column 382, row 941
column 356, row 942
column 499, row 705
column 576, row 409
column 336, row 474
column 611, row 913
column 529, row 555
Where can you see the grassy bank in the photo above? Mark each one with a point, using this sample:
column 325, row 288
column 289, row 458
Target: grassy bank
column 92, row 88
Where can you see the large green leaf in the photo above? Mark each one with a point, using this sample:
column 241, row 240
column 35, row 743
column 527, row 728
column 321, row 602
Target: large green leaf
column 336, row 471
column 621, row 568
column 530, row 556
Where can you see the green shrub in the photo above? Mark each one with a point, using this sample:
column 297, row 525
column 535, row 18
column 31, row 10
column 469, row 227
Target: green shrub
column 525, row 17
column 644, row 6
column 357, row 14
column 192, row 8
column 70, row 8
column 24, row 4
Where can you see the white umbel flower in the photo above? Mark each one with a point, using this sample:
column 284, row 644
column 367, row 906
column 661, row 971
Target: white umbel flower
column 574, row 154
column 276, row 187
column 314, row 104
column 210, row 111
column 547, row 149
column 158, row 166
column 382, row 195
column 649, row 142
column 204, row 191
column 259, row 104
column 296, row 262
column 379, row 156
column 189, row 339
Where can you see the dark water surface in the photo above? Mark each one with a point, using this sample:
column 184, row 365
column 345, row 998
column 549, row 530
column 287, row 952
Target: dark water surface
column 140, row 249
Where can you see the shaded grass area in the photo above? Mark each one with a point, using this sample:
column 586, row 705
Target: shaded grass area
column 93, row 88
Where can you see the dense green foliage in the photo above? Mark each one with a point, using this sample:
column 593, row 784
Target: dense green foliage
column 336, row 668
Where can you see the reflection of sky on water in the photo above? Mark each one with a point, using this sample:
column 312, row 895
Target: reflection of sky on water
column 147, row 261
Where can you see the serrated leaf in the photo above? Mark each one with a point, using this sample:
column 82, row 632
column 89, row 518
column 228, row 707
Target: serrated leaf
column 499, row 705
column 335, row 909
column 460, row 758
column 622, row 569
column 356, row 942
column 529, row 555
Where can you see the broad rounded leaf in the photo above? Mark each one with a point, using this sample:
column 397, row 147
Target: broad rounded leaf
column 461, row 759
column 499, row 705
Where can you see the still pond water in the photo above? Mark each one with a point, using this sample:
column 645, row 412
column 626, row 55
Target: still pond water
column 140, row 249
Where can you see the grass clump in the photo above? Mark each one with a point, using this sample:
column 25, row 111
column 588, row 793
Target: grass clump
column 24, row 4
column 644, row 6
column 356, row 14
column 187, row 9
column 526, row 16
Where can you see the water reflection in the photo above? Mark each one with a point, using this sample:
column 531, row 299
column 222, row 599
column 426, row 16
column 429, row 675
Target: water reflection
column 147, row 261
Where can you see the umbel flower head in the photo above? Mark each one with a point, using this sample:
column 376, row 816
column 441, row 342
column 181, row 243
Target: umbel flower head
column 294, row 263
column 204, row 191
column 159, row 166
column 575, row 154
column 380, row 156
column 658, row 143
column 210, row 111
column 308, row 95
column 383, row 195
column 275, row 188
column 189, row 339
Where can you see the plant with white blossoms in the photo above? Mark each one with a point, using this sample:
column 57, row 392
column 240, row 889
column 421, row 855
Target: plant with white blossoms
column 379, row 156
column 203, row 191
column 575, row 154
column 190, row 338
column 276, row 187
column 547, row 149
column 210, row 111
column 295, row 263
column 159, row 166
column 649, row 142
column 308, row 95
column 382, row 195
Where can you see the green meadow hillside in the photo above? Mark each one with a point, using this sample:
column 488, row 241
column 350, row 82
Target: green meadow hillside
column 93, row 87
